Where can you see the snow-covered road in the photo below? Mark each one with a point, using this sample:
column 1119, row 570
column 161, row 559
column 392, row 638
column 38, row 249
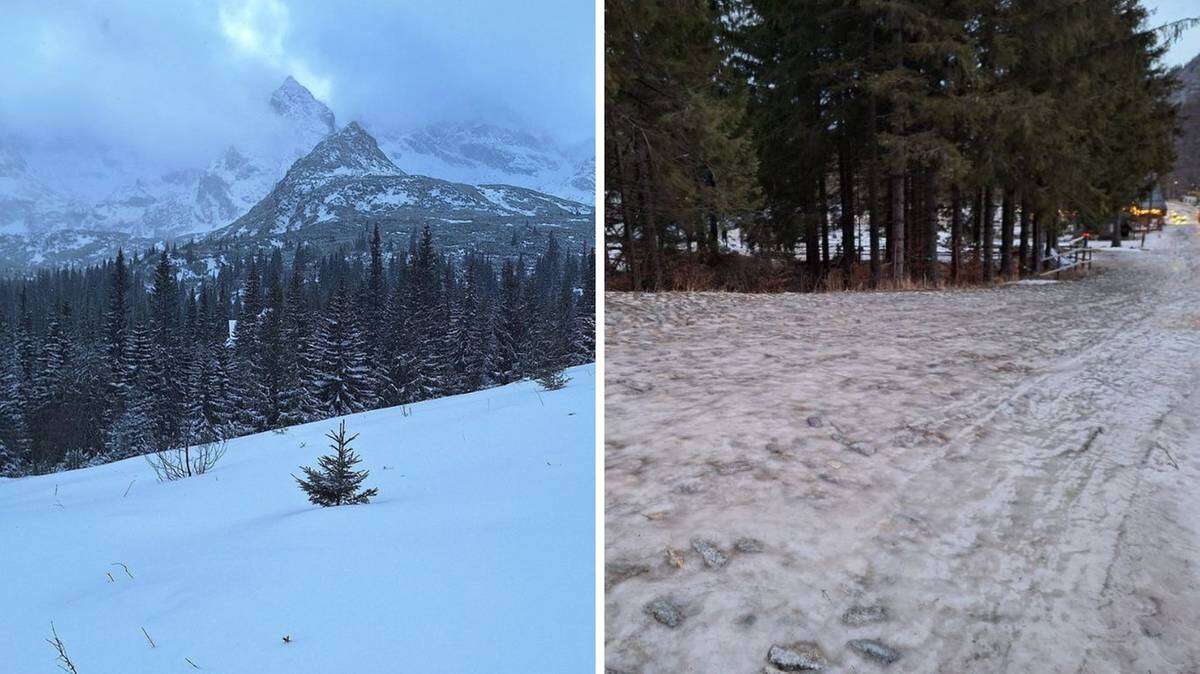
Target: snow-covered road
column 979, row 481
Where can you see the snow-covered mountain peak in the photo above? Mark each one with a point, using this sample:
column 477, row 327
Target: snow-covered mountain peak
column 295, row 102
column 349, row 152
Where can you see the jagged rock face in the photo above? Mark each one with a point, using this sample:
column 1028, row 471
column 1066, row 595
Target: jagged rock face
column 347, row 153
column 293, row 101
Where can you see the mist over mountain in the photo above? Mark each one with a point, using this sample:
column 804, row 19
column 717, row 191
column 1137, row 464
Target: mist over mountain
column 485, row 153
column 42, row 192
column 61, row 204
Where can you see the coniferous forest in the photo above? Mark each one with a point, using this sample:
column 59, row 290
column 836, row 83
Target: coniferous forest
column 108, row 362
column 874, row 144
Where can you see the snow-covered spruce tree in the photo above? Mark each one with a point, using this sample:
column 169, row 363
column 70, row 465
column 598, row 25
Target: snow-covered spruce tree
column 374, row 320
column 336, row 482
column 512, row 345
column 345, row 386
column 132, row 431
column 398, row 355
column 206, row 412
column 552, row 378
column 116, row 322
column 144, row 356
column 14, row 440
column 428, row 323
column 272, row 347
column 300, row 373
column 246, row 366
column 583, row 342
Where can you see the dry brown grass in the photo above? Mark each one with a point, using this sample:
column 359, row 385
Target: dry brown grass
column 761, row 274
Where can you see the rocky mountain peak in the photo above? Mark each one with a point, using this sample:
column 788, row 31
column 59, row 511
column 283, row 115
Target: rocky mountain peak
column 294, row 101
column 349, row 152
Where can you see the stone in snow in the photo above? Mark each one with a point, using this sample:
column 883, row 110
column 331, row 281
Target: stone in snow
column 856, row 616
column 618, row 572
column 712, row 555
column 814, row 422
column 802, row 656
column 665, row 612
column 748, row 545
column 874, row 650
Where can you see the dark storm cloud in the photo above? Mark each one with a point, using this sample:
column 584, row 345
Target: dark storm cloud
column 174, row 78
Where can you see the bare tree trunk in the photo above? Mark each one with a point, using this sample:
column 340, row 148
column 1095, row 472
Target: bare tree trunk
column 889, row 234
column 912, row 215
column 649, row 227
column 823, row 215
column 1007, row 221
column 1116, row 230
column 873, row 172
column 1050, row 225
column 846, row 194
column 955, row 233
column 977, row 230
column 812, row 235
column 627, row 224
column 896, row 237
column 873, row 231
column 988, row 234
column 812, row 248
column 931, row 227
column 1035, row 251
column 1023, row 256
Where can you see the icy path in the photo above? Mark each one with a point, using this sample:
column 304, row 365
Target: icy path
column 1003, row 480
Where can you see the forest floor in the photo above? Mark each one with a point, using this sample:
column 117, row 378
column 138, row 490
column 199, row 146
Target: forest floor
column 975, row 481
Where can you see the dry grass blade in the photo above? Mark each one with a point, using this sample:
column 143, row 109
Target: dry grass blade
column 64, row 661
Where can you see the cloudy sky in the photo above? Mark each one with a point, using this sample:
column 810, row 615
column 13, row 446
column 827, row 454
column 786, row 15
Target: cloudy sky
column 174, row 77
column 1165, row 11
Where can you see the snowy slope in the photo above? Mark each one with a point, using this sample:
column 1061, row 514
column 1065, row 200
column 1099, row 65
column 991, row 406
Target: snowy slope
column 479, row 154
column 476, row 555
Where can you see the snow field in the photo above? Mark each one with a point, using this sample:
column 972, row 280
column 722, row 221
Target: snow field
column 476, row 555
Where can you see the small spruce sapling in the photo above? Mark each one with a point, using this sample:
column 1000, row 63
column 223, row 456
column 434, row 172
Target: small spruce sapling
column 552, row 379
column 336, row 482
